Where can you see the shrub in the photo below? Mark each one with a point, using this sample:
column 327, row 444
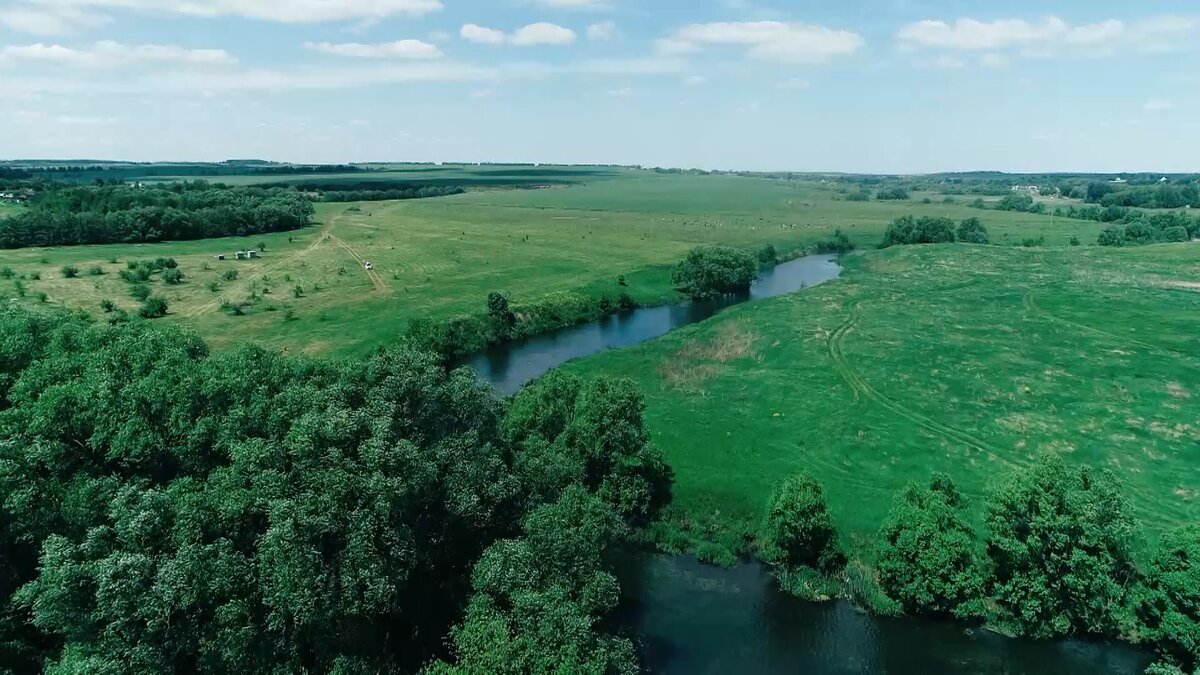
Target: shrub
column 1111, row 236
column 7, row 272
column 712, row 271
column 107, row 305
column 1176, row 234
column 499, row 313
column 35, row 276
column 173, row 276
column 1033, row 242
column 767, row 254
column 930, row 559
column 1168, row 604
column 972, row 231
column 96, row 271
column 892, row 194
column 42, row 297
column 860, row 196
column 153, row 307
column 840, row 243
column 1075, row 241
column 139, row 291
column 799, row 531
column 298, row 291
column 70, row 271
column 625, row 302
column 1139, row 233
column 621, row 281
column 230, row 275
column 924, row 230
column 1061, row 547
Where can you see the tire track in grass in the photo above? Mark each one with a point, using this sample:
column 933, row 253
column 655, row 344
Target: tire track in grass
column 1034, row 308
column 377, row 281
column 324, row 234
column 861, row 387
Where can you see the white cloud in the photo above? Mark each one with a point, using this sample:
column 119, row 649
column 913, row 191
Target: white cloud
column 605, row 30
column 401, row 49
column 1047, row 37
column 542, row 34
column 527, row 36
column 766, row 40
column 61, row 16
column 109, row 54
column 481, row 35
column 1158, row 105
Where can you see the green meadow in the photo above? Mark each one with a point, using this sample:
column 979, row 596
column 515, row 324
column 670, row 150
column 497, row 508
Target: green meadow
column 963, row 359
column 441, row 257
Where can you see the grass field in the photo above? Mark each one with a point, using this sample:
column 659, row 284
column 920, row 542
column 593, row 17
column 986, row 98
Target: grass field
column 968, row 360
column 440, row 257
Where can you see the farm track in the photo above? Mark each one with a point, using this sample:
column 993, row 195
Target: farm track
column 1032, row 306
column 860, row 386
column 326, row 234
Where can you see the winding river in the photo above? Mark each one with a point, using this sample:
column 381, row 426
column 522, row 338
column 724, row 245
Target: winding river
column 512, row 365
column 695, row 619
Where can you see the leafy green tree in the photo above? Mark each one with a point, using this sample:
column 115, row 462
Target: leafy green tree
column 972, row 231
column 539, row 600
column 925, row 230
column 799, row 530
column 1111, row 236
column 1060, row 544
column 1168, row 604
column 498, row 311
column 930, row 559
column 712, row 271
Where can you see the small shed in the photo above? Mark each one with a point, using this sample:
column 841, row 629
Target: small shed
column 220, row 256
column 251, row 254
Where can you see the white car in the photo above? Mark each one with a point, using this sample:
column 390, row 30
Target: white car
column 368, row 265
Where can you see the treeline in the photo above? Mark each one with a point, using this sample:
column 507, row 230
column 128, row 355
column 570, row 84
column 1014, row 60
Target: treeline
column 168, row 509
column 109, row 214
column 424, row 192
column 908, row 230
column 1160, row 195
column 1059, row 559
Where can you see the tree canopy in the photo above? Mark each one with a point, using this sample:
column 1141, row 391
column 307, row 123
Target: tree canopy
column 712, row 271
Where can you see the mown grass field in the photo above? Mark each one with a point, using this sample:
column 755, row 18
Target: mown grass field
column 440, row 257
column 963, row 359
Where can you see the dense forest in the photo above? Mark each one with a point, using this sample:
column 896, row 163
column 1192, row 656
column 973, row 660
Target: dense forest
column 107, row 214
column 168, row 509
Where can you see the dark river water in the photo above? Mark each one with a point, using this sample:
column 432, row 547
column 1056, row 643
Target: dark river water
column 694, row 619
column 512, row 365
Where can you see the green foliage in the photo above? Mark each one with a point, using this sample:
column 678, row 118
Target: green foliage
column 767, row 255
column 924, row 230
column 712, row 271
column 1061, row 548
column 7, row 272
column 96, row 271
column 229, row 275
column 539, row 599
column 930, row 559
column 860, row 196
column 798, row 530
column 1168, row 603
column 840, row 243
column 70, row 271
column 1020, row 201
column 109, row 214
column 108, row 306
column 252, row 512
column 972, row 231
column 153, row 307
column 173, row 276
column 892, row 194
column 1111, row 236
column 1075, row 241
column 499, row 313
column 139, row 291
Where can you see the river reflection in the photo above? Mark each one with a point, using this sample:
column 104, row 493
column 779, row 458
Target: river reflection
column 696, row 619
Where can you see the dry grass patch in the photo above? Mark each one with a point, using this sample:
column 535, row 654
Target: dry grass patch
column 697, row 361
column 1176, row 390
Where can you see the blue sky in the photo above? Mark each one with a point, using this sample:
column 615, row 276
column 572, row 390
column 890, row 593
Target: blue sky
column 900, row 86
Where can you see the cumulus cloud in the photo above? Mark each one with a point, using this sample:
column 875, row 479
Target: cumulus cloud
column 604, row 30
column 1049, row 36
column 109, row 54
column 766, row 40
column 401, row 49
column 62, row 16
column 528, row 36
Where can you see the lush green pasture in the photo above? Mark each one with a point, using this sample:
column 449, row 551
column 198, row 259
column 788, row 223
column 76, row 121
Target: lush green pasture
column 968, row 360
column 440, row 257
column 465, row 175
